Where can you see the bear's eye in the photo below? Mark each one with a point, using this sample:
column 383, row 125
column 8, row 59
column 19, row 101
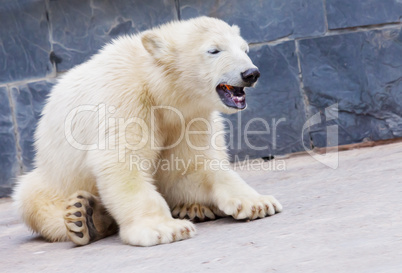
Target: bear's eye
column 213, row 51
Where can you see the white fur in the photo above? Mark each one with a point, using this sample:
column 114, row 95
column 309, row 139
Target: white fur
column 166, row 66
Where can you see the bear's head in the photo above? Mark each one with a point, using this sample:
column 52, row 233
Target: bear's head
column 206, row 60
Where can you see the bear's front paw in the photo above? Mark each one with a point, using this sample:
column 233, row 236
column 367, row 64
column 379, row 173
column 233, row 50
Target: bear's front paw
column 149, row 232
column 250, row 207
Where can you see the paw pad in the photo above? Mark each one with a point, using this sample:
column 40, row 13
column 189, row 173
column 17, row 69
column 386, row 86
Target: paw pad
column 86, row 219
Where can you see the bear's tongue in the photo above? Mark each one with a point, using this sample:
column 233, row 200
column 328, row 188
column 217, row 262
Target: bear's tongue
column 232, row 96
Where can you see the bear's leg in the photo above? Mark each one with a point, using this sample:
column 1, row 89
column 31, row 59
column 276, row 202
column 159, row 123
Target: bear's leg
column 86, row 219
column 142, row 214
column 206, row 194
column 41, row 207
column 232, row 195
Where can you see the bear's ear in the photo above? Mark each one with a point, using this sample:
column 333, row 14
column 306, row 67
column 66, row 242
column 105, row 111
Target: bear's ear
column 154, row 44
column 236, row 29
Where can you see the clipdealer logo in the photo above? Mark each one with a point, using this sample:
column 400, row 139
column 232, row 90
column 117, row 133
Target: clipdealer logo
column 330, row 159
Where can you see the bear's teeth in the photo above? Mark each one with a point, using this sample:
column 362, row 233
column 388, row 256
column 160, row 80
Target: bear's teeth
column 239, row 98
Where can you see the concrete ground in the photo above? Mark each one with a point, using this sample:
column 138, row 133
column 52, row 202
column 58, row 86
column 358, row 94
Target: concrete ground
column 347, row 219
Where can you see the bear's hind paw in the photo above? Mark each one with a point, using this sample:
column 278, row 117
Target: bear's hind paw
column 196, row 212
column 86, row 219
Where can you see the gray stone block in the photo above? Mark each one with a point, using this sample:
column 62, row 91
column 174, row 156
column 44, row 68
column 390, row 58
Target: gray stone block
column 261, row 20
column 80, row 28
column 24, row 40
column 275, row 106
column 9, row 167
column 359, row 71
column 346, row 13
column 29, row 100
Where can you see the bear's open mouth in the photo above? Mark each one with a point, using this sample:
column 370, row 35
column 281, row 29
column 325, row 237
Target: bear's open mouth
column 232, row 96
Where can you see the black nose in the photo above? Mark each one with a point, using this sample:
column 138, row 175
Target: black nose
column 250, row 75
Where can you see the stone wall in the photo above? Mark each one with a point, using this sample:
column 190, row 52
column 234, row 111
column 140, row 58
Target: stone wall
column 311, row 53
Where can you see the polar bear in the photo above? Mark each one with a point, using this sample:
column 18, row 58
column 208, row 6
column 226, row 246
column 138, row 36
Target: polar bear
column 143, row 99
